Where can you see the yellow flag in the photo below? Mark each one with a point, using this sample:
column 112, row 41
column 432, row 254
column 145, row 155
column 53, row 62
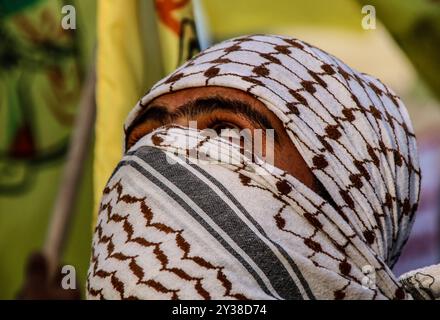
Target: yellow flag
column 139, row 41
column 177, row 32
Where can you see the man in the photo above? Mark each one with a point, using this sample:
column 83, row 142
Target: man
column 327, row 219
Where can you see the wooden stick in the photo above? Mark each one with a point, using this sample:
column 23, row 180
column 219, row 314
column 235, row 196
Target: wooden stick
column 58, row 230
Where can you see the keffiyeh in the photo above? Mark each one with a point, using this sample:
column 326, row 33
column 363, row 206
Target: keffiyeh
column 172, row 226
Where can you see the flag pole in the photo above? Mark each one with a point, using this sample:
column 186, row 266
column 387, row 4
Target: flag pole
column 79, row 146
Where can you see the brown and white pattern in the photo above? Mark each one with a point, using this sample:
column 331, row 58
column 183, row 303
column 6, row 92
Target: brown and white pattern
column 166, row 231
column 423, row 283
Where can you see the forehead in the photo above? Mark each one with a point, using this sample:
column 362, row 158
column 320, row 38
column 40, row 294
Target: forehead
column 173, row 100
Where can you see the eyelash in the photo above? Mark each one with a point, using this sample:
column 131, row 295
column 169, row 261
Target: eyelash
column 215, row 120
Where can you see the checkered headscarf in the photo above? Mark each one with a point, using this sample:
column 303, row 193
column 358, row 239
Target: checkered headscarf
column 352, row 131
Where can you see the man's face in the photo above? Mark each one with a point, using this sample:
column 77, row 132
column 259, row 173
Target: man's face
column 220, row 108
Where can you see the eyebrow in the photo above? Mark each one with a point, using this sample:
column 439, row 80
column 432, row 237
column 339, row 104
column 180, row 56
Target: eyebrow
column 201, row 106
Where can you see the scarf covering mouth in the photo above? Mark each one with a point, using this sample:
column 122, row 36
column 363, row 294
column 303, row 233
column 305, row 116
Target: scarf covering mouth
column 186, row 229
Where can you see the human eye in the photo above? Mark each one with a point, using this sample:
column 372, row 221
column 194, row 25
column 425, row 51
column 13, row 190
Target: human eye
column 220, row 126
